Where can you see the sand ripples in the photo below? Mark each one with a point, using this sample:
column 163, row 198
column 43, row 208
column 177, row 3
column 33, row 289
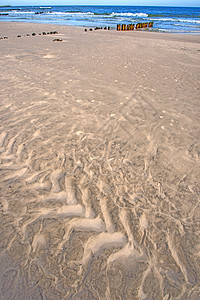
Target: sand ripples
column 99, row 200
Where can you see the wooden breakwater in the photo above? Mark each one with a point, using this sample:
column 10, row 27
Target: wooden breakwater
column 126, row 27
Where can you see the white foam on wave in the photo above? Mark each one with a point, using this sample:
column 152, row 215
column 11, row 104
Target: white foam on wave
column 163, row 19
column 176, row 20
column 72, row 13
column 188, row 21
column 22, row 12
column 113, row 14
column 141, row 15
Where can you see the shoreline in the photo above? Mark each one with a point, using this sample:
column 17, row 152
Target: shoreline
column 79, row 26
column 173, row 36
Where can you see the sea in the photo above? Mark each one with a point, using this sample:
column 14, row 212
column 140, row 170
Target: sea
column 166, row 19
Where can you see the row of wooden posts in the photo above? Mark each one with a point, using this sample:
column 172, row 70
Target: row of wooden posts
column 125, row 27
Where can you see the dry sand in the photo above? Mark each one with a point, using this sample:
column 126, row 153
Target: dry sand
column 100, row 165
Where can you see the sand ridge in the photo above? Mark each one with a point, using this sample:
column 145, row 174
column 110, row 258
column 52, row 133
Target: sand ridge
column 99, row 162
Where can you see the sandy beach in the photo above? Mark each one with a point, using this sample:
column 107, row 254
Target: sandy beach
column 99, row 164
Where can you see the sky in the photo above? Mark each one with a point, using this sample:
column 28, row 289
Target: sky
column 103, row 2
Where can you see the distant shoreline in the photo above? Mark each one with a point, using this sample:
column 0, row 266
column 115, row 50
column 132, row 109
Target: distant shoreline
column 87, row 27
column 192, row 38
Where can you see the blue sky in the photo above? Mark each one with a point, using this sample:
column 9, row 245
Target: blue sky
column 103, row 2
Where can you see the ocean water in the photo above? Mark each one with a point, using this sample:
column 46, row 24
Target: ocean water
column 166, row 19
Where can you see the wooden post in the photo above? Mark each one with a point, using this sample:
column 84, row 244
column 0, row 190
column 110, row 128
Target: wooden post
column 150, row 24
column 126, row 27
column 123, row 27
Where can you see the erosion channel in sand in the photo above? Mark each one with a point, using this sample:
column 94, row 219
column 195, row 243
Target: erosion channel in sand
column 99, row 164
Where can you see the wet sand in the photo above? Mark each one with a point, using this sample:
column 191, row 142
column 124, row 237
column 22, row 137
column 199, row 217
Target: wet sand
column 99, row 164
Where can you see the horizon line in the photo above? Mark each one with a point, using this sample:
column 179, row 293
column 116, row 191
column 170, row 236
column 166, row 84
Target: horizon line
column 98, row 5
